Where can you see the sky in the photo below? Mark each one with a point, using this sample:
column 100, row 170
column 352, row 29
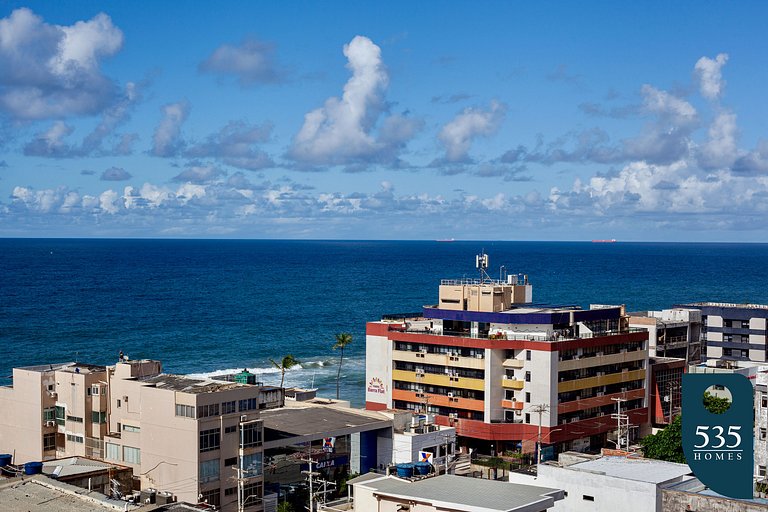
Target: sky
column 644, row 121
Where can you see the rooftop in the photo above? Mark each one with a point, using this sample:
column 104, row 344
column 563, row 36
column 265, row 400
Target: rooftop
column 642, row 470
column 72, row 366
column 187, row 384
column 452, row 492
column 76, row 466
column 724, row 305
column 41, row 494
column 314, row 420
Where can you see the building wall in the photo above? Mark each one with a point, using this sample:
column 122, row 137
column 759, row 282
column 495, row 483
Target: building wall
column 21, row 420
column 609, row 494
column 761, row 425
column 378, row 370
column 675, row 501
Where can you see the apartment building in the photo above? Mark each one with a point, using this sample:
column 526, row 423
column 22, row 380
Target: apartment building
column 198, row 439
column 671, row 332
column 761, row 426
column 733, row 332
column 495, row 366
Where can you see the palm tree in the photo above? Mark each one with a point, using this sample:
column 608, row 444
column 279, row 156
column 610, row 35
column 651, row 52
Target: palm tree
column 286, row 363
column 342, row 340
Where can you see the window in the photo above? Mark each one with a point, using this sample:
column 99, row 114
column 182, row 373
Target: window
column 228, row 407
column 212, row 497
column 727, row 352
column 113, row 451
column 762, row 433
column 74, row 438
column 75, row 419
column 87, row 391
column 587, row 497
column 209, row 470
column 60, row 414
column 204, row 411
column 49, row 441
column 119, row 427
column 527, row 398
column 249, row 404
column 210, row 439
column 231, row 429
column 131, row 428
column 527, row 417
column 252, row 465
column 252, row 490
column 251, row 434
column 119, row 403
column 764, row 400
column 131, row 455
column 98, row 416
column 230, row 491
column 761, row 470
column 232, row 461
column 509, row 394
column 745, row 353
column 49, row 414
column 185, row 411
column 527, row 376
column 95, row 390
column 527, row 355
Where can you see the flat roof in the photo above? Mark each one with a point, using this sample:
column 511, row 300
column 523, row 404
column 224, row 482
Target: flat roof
column 724, row 305
column 77, row 466
column 41, row 494
column 643, row 470
column 187, row 384
column 316, row 421
column 71, row 366
column 452, row 492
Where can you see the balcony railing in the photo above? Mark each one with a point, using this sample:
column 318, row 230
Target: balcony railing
column 558, row 335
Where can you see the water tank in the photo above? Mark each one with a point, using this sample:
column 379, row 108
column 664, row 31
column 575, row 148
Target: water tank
column 5, row 459
column 164, row 497
column 422, row 468
column 33, row 468
column 245, row 377
column 405, row 470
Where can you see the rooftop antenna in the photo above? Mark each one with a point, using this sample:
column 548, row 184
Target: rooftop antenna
column 481, row 264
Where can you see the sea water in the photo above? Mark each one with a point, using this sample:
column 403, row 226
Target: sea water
column 217, row 306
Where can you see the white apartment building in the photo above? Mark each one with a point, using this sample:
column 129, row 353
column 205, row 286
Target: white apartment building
column 199, row 439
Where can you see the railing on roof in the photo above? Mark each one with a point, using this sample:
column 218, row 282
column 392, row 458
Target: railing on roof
column 558, row 335
column 727, row 305
column 401, row 316
column 470, row 281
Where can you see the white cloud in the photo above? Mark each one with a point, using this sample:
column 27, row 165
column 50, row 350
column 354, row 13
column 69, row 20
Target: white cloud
column 236, row 145
column 252, row 62
column 721, row 148
column 115, row 174
column 199, row 174
column 709, row 73
column 51, row 143
column 52, row 71
column 167, row 138
column 458, row 134
column 342, row 131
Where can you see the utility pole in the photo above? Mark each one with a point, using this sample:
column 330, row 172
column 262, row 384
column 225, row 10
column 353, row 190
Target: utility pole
column 313, row 479
column 539, row 408
column 620, row 419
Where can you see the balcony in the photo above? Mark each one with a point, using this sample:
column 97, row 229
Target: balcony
column 600, row 380
column 512, row 383
column 558, row 335
column 600, row 360
column 512, row 404
column 438, row 400
column 439, row 379
column 451, row 360
column 513, row 363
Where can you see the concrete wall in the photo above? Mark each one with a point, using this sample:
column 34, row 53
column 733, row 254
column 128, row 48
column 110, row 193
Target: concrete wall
column 378, row 370
column 610, row 494
column 675, row 501
column 21, row 421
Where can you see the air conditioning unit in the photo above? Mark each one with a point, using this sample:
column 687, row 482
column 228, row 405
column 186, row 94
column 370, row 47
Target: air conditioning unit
column 479, row 355
column 125, row 398
column 623, row 390
column 601, row 414
column 599, row 354
column 518, row 412
column 453, row 415
column 50, row 423
column 243, row 417
column 419, row 371
column 53, row 394
column 450, row 395
column 600, row 393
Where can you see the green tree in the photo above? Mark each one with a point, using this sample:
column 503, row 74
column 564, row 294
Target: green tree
column 666, row 444
column 342, row 340
column 286, row 363
column 715, row 404
column 285, row 507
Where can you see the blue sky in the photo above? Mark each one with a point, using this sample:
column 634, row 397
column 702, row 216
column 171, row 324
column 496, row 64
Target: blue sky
column 467, row 120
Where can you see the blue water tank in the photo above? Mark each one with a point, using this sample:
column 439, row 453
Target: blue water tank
column 422, row 468
column 33, row 468
column 405, row 470
column 5, row 459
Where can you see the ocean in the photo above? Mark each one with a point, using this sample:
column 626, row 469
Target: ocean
column 215, row 306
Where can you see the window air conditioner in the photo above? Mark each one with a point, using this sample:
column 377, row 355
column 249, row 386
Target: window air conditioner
column 450, row 395
column 453, row 415
column 243, row 417
column 50, row 423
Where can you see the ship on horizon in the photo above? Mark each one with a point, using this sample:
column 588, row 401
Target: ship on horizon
column 605, row 241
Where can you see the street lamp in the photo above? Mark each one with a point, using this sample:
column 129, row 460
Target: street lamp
column 538, row 461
